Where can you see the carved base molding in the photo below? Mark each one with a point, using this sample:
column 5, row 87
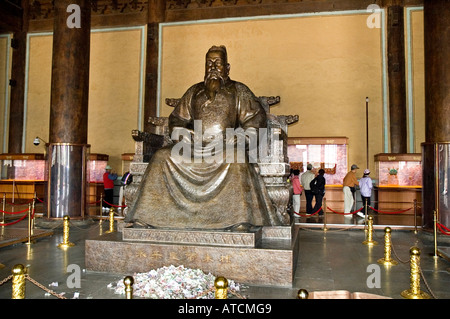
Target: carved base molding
column 272, row 261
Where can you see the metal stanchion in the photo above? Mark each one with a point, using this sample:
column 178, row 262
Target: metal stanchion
column 369, row 239
column 435, row 234
column 111, row 221
column 324, row 209
column 101, row 208
column 66, row 244
column 29, row 225
column 221, row 285
column 3, row 214
column 128, row 282
column 387, row 260
column 415, row 216
column 33, row 211
column 18, row 282
column 414, row 291
column 302, row 294
column 365, row 214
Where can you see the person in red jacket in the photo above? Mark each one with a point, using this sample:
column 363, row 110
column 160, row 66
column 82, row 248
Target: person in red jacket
column 108, row 183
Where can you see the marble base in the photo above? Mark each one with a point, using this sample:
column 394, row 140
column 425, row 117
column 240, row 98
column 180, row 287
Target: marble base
column 267, row 256
column 196, row 237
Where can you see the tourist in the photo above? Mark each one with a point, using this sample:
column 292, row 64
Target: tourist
column 317, row 186
column 349, row 188
column 297, row 189
column 108, row 183
column 306, row 179
column 365, row 186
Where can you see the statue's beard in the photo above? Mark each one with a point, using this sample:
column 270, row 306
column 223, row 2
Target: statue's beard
column 213, row 82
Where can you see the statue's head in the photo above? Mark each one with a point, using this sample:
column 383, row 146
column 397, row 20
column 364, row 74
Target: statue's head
column 216, row 70
column 217, row 65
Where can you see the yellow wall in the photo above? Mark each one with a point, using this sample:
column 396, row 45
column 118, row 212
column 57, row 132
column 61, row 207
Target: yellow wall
column 38, row 93
column 322, row 67
column 4, row 87
column 114, row 94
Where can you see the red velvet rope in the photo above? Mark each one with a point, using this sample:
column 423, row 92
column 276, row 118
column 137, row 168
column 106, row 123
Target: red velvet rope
column 309, row 214
column 14, row 213
column 113, row 204
column 443, row 229
column 356, row 211
column 15, row 222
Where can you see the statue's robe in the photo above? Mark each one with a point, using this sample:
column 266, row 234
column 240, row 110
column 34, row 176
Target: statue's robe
column 216, row 195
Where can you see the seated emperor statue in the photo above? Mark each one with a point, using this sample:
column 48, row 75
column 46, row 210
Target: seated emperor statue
column 202, row 189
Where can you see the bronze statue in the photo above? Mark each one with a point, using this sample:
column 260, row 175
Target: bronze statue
column 195, row 192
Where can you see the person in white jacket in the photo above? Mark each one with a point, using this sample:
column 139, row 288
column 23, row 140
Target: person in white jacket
column 365, row 187
column 305, row 180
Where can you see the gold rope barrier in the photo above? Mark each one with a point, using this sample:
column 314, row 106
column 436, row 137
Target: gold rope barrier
column 128, row 282
column 221, row 285
column 414, row 291
column 66, row 244
column 369, row 239
column 387, row 260
column 302, row 294
column 18, row 282
column 111, row 221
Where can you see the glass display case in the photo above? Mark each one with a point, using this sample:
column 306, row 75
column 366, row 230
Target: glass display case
column 399, row 170
column 22, row 176
column 96, row 167
column 399, row 182
column 328, row 153
column 23, row 167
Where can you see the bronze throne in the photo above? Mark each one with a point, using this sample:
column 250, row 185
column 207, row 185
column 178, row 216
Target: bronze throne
column 274, row 169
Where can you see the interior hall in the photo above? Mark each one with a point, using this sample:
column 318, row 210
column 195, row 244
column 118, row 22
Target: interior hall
column 87, row 89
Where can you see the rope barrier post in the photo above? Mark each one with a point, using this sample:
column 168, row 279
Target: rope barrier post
column 415, row 216
column 66, row 244
column 365, row 214
column 111, row 221
column 3, row 213
column 324, row 209
column 33, row 210
column 128, row 282
column 387, row 260
column 18, row 282
column 369, row 239
column 414, row 291
column 435, row 234
column 221, row 285
column 29, row 225
column 101, row 208
column 302, row 294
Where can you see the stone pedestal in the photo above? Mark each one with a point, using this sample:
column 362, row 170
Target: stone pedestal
column 264, row 256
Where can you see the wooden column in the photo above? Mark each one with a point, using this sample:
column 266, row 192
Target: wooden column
column 435, row 150
column 396, row 74
column 156, row 14
column 17, row 100
column 69, row 109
